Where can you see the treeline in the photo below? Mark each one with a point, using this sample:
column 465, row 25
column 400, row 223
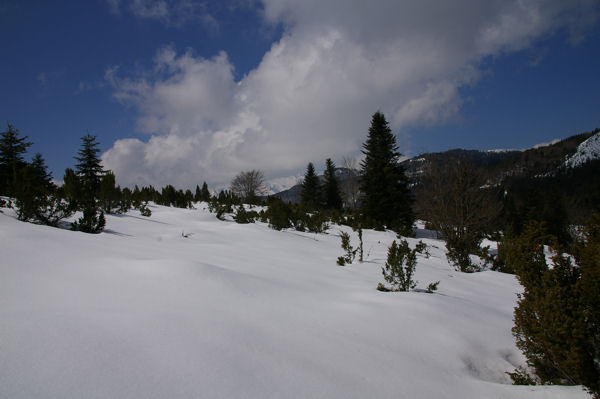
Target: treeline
column 86, row 188
column 385, row 198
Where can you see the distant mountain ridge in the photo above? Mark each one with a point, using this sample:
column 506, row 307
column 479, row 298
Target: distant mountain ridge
column 541, row 160
column 548, row 159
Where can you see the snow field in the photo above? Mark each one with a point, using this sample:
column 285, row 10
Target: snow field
column 243, row 311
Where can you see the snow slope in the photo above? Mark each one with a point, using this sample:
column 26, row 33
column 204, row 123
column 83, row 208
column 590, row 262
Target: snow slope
column 242, row 311
column 586, row 151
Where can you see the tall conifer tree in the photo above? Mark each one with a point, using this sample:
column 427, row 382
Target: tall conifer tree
column 12, row 150
column 89, row 171
column 42, row 175
column 387, row 201
column 311, row 189
column 197, row 194
column 205, row 194
column 331, row 189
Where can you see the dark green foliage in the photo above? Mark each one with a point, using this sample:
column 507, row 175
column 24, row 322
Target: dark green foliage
column 587, row 256
column 92, row 221
column 12, row 151
column 36, row 199
column 311, row 189
column 223, row 203
column 144, row 210
column 125, row 200
column 316, row 222
column 188, row 198
column 387, row 200
column 109, row 194
column 556, row 319
column 29, row 194
column 227, row 198
column 71, row 189
column 432, row 287
column 197, row 194
column 219, row 209
column 348, row 258
column 243, row 216
column 204, row 193
column 89, row 172
column 42, row 176
column 460, row 247
column 528, row 200
column 52, row 211
column 168, row 196
column 89, row 168
column 282, row 215
column 279, row 214
column 521, row 377
column 360, row 245
column 331, row 187
column 400, row 265
column 500, row 263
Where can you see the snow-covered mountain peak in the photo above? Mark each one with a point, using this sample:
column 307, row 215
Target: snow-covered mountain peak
column 586, row 151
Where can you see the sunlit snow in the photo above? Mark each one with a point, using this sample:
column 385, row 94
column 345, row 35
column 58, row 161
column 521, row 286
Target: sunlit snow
column 243, row 311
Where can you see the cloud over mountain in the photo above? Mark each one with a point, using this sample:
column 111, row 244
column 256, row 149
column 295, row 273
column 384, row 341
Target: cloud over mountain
column 313, row 93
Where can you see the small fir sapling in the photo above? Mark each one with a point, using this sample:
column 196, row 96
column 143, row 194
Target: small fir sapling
column 144, row 210
column 350, row 252
column 432, row 287
column 400, row 266
column 360, row 245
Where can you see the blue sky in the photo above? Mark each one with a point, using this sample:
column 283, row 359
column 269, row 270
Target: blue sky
column 184, row 91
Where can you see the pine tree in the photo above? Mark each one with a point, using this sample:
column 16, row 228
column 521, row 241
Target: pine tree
column 109, row 194
column 188, row 198
column 36, row 195
column 71, row 189
column 333, row 198
column 30, row 194
column 205, row 194
column 12, row 150
column 386, row 199
column 556, row 318
column 197, row 194
column 400, row 266
column 89, row 172
column 34, row 186
column 311, row 188
column 43, row 177
column 125, row 201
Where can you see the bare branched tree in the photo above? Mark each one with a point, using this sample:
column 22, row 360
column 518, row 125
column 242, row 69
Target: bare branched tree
column 454, row 199
column 249, row 185
column 350, row 184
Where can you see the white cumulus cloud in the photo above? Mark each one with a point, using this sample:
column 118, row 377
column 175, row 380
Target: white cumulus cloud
column 314, row 91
